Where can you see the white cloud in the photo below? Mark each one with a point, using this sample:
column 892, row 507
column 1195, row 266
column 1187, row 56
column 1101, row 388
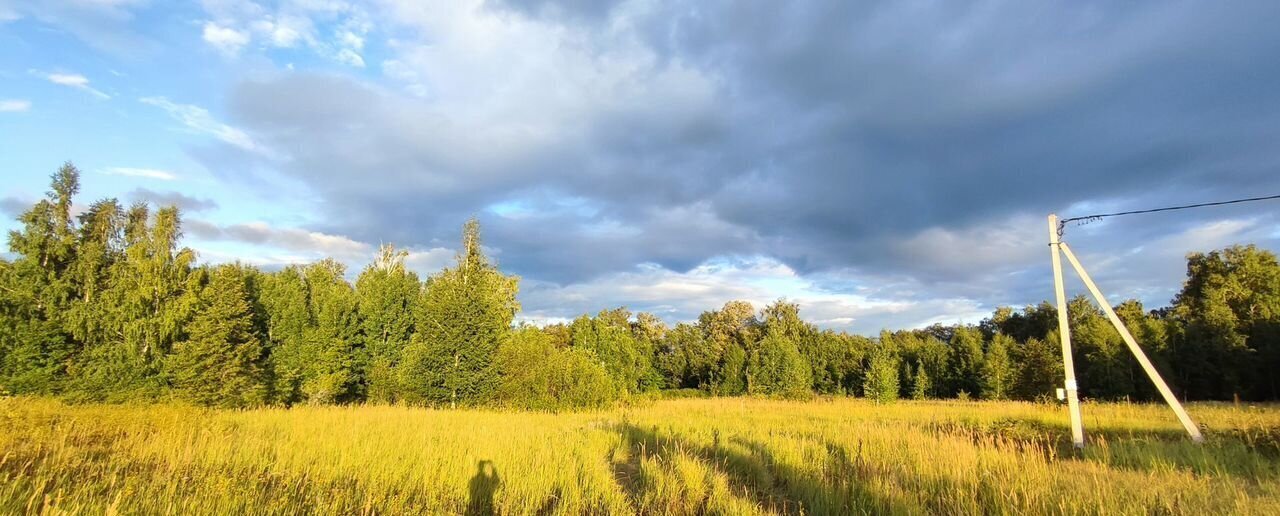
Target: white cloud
column 234, row 24
column 349, row 57
column 72, row 80
column 397, row 70
column 314, row 243
column 426, row 262
column 678, row 296
column 351, row 39
column 149, row 173
column 14, row 105
column 199, row 120
column 227, row 40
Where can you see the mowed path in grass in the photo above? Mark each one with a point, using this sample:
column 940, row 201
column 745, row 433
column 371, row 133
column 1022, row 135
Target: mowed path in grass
column 692, row 456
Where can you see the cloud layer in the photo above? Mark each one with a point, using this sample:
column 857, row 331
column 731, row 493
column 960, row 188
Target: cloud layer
column 885, row 162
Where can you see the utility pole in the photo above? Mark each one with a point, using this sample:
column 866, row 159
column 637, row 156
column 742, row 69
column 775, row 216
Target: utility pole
column 1056, row 246
column 1064, row 332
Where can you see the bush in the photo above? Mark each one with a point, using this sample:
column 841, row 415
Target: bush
column 535, row 374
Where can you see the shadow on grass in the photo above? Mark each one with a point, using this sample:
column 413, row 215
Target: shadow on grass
column 481, row 487
column 752, row 471
column 1223, row 453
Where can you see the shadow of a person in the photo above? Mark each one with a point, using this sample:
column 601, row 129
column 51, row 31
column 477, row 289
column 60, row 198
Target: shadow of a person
column 482, row 487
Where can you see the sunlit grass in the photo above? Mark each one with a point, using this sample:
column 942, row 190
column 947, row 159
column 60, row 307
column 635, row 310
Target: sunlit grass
column 719, row 456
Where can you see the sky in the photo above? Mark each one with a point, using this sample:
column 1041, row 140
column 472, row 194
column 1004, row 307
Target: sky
column 883, row 164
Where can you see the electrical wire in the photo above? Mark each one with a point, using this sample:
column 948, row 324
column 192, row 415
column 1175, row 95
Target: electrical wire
column 1096, row 217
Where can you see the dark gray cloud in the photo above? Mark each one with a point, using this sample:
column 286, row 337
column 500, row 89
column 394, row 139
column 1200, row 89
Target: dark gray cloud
column 12, row 207
column 588, row 11
column 186, row 203
column 916, row 148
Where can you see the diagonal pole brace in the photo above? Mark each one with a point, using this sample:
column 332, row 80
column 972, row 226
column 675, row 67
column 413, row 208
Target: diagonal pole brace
column 1133, row 347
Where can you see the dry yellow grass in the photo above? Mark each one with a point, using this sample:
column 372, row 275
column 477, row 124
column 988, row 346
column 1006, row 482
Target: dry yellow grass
column 718, row 456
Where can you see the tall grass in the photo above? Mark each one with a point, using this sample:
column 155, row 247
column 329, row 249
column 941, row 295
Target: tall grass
column 689, row 456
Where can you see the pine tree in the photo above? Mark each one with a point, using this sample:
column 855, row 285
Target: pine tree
column 331, row 343
column 286, row 302
column 1039, row 368
column 219, row 364
column 463, row 314
column 922, row 386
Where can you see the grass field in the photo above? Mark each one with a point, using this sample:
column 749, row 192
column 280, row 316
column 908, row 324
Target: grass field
column 717, row 456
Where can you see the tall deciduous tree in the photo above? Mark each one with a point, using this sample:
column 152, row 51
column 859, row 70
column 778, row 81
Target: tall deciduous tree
column 1229, row 315
column 386, row 293
column 152, row 296
column 998, row 369
column 881, row 382
column 776, row 367
column 1039, row 369
column 729, row 333
column 966, row 360
column 38, row 289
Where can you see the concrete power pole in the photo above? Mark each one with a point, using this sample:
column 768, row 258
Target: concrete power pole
column 1056, row 245
column 1064, row 332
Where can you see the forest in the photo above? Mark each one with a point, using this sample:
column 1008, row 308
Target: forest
column 104, row 304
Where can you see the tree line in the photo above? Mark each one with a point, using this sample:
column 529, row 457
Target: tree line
column 107, row 306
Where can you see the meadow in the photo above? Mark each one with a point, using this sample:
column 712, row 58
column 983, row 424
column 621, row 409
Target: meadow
column 684, row 456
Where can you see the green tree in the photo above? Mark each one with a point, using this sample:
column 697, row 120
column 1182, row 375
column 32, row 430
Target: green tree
column 535, row 374
column 38, row 289
column 330, row 346
column 152, row 295
column 386, row 293
column 99, row 248
column 671, row 356
column 465, row 311
column 730, row 377
column 1228, row 313
column 720, row 364
column 1039, row 370
column 1106, row 366
column 881, row 382
column 220, row 362
column 921, row 386
column 998, row 370
column 285, row 299
column 608, row 336
column 835, row 360
column 965, row 368
column 1152, row 334
column 777, row 368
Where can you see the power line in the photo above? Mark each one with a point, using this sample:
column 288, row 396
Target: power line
column 1093, row 218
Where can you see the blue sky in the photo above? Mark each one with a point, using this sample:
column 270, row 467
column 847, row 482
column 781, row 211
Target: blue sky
column 884, row 164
